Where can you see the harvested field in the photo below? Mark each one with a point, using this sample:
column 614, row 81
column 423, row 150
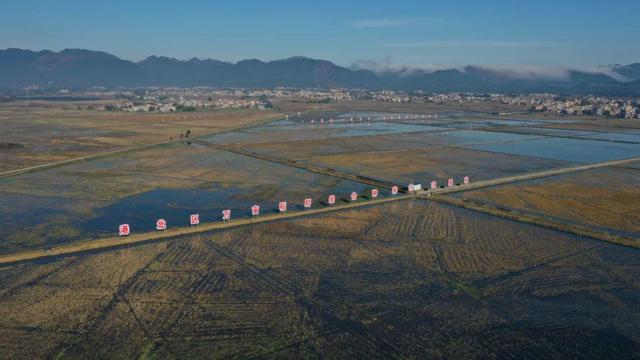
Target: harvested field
column 434, row 163
column 398, row 280
column 408, row 279
column 607, row 198
column 40, row 133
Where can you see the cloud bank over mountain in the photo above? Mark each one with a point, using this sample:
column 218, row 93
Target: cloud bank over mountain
column 79, row 68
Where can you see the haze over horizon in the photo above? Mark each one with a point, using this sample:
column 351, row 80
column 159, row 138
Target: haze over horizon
column 427, row 35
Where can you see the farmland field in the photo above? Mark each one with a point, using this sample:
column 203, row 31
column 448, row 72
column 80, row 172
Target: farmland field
column 40, row 133
column 90, row 199
column 412, row 278
column 408, row 279
column 603, row 198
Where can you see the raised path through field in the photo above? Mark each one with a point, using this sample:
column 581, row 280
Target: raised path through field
column 387, row 185
column 530, row 176
column 49, row 165
column 112, row 242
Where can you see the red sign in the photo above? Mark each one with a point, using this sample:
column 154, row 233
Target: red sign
column 466, row 180
column 124, row 230
column 410, row 187
column 282, row 206
column 307, row 203
column 332, row 199
column 255, row 210
column 226, row 215
column 354, row 196
column 161, row 224
column 394, row 190
column 194, row 219
column 434, row 185
column 374, row 193
column 450, row 182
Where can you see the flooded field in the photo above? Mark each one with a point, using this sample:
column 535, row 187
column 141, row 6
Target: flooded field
column 305, row 130
column 432, row 148
column 582, row 151
column 410, row 279
column 90, row 199
column 607, row 199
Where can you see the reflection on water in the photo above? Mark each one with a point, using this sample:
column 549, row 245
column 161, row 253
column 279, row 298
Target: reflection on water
column 584, row 151
column 90, row 199
column 175, row 205
column 477, row 136
column 614, row 136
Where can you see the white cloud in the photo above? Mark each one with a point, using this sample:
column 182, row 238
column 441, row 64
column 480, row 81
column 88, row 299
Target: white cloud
column 523, row 72
column 388, row 65
column 528, row 72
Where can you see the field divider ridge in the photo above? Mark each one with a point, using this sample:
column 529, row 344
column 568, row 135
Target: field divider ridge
column 140, row 238
column 125, row 150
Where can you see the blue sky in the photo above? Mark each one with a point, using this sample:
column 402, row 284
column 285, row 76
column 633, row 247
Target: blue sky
column 415, row 33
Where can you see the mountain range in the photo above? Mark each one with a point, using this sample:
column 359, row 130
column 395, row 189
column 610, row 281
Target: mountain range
column 80, row 68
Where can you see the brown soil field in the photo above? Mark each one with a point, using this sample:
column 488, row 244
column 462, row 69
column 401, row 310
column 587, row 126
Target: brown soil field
column 417, row 280
column 608, row 198
column 306, row 149
column 434, row 163
column 610, row 125
column 44, row 133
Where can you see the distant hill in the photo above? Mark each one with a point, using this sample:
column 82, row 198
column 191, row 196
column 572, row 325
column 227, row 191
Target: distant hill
column 630, row 72
column 79, row 68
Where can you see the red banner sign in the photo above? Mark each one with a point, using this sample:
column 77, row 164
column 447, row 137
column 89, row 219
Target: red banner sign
column 124, row 230
column 161, row 224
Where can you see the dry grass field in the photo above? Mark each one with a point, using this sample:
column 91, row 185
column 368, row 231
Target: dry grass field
column 407, row 280
column 43, row 133
column 426, row 164
column 606, row 198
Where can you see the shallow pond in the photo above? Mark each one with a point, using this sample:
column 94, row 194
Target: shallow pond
column 584, row 151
